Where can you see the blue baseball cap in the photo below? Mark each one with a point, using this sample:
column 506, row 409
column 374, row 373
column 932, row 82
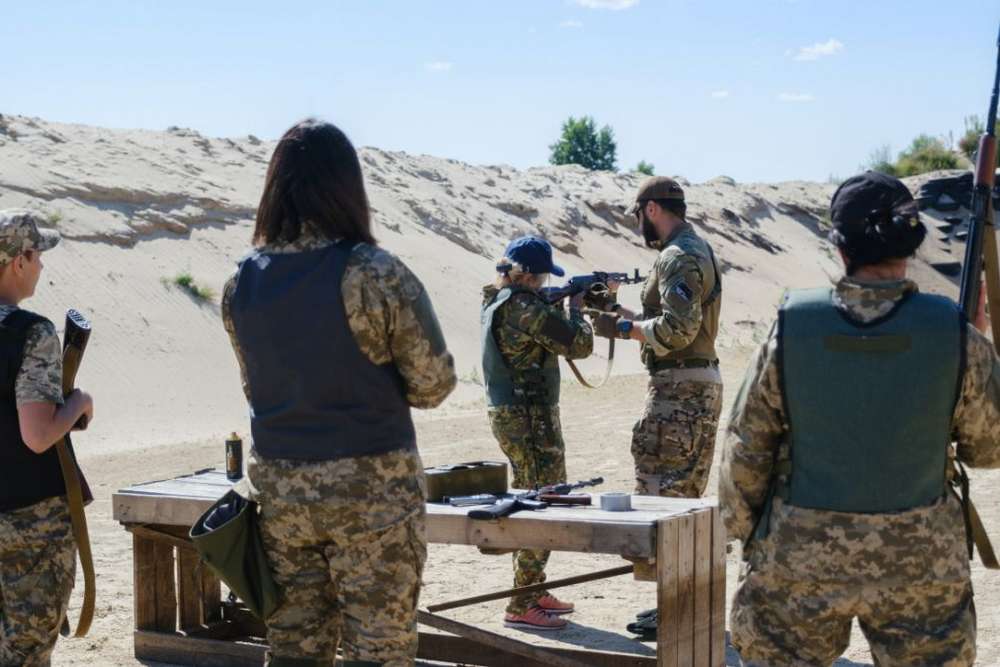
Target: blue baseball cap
column 534, row 254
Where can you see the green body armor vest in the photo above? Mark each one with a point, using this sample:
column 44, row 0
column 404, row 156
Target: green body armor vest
column 506, row 386
column 870, row 406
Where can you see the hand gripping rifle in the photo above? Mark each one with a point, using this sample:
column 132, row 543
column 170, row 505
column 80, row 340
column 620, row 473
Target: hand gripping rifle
column 77, row 491
column 980, row 253
column 594, row 285
column 529, row 500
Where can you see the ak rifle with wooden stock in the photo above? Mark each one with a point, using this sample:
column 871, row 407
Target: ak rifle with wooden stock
column 980, row 254
column 78, row 493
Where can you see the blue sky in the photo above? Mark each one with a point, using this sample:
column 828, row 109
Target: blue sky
column 754, row 89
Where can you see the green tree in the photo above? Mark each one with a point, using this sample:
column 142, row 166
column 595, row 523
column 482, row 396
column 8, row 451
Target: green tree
column 926, row 153
column 582, row 143
column 645, row 168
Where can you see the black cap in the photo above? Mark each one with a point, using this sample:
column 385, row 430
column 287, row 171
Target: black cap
column 868, row 199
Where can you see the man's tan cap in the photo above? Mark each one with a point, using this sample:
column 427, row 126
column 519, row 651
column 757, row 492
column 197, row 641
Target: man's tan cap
column 657, row 187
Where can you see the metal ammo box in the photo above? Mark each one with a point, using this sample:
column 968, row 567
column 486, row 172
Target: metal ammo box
column 465, row 479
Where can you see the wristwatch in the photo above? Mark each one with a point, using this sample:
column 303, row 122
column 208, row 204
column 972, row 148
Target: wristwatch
column 625, row 329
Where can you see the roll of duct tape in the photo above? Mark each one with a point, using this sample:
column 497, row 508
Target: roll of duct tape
column 616, row 502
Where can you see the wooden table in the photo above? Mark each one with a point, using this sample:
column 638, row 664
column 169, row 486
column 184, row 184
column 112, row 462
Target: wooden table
column 180, row 615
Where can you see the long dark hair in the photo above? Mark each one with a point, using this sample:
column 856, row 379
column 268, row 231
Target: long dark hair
column 314, row 177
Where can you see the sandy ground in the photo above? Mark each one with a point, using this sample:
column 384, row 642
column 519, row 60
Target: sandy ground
column 597, row 430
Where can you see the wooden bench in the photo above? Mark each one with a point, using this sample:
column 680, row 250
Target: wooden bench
column 181, row 617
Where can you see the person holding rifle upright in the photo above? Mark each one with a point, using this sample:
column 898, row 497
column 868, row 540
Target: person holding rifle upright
column 523, row 336
column 836, row 470
column 37, row 550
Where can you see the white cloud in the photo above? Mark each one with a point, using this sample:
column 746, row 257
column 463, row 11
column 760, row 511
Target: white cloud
column 571, row 24
column 796, row 97
column 720, row 94
column 613, row 5
column 830, row 47
column 438, row 66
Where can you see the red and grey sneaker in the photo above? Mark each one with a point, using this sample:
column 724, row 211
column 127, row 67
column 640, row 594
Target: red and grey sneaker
column 554, row 605
column 535, row 618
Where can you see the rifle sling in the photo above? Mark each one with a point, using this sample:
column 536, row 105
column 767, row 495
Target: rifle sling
column 974, row 529
column 74, row 496
column 607, row 370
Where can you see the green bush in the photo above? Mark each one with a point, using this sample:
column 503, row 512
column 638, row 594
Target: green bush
column 926, row 153
column 645, row 168
column 881, row 160
column 186, row 282
column 583, row 144
column 969, row 143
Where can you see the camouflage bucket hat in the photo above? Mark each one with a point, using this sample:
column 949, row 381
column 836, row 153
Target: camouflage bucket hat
column 20, row 230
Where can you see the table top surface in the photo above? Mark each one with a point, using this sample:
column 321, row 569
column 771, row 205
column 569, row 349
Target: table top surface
column 180, row 501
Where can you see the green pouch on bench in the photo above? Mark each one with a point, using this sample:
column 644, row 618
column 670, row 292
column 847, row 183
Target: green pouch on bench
column 228, row 538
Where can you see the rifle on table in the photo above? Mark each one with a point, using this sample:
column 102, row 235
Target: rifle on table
column 77, row 490
column 530, row 500
column 594, row 286
column 980, row 254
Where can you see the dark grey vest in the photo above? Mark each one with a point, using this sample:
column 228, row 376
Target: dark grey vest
column 314, row 395
column 504, row 386
column 26, row 478
column 869, row 406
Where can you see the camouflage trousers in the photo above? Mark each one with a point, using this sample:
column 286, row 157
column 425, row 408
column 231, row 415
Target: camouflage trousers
column 37, row 570
column 346, row 542
column 777, row 622
column 674, row 440
column 531, row 438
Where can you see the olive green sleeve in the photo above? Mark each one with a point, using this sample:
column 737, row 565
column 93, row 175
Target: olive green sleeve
column 680, row 282
column 753, row 436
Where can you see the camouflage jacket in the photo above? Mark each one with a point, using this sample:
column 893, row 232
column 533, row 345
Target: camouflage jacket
column 679, row 308
column 390, row 315
column 524, row 333
column 754, row 440
column 40, row 378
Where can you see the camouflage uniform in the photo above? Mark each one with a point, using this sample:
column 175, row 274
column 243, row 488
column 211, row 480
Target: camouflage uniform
column 905, row 575
column 37, row 552
column 346, row 538
column 674, row 440
column 531, row 435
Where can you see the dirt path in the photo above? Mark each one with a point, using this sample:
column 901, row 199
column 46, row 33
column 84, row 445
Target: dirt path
column 597, row 428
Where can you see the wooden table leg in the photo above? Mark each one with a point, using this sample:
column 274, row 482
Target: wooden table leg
column 718, row 603
column 153, row 583
column 667, row 538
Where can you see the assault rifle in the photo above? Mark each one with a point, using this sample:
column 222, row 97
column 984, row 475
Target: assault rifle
column 980, row 253
column 595, row 283
column 77, row 491
column 529, row 500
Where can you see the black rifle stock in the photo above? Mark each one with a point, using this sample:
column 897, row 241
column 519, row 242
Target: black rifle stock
column 77, row 491
column 980, row 254
column 528, row 500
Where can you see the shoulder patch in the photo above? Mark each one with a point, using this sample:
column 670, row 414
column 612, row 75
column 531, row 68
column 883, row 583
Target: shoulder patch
column 682, row 290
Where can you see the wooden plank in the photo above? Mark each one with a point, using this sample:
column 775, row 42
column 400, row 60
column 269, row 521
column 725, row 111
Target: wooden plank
column 685, row 592
column 445, row 648
column 162, row 510
column 180, row 650
column 189, row 592
column 211, row 595
column 143, row 587
column 164, row 585
column 718, row 639
column 499, row 642
column 668, row 626
column 702, row 588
